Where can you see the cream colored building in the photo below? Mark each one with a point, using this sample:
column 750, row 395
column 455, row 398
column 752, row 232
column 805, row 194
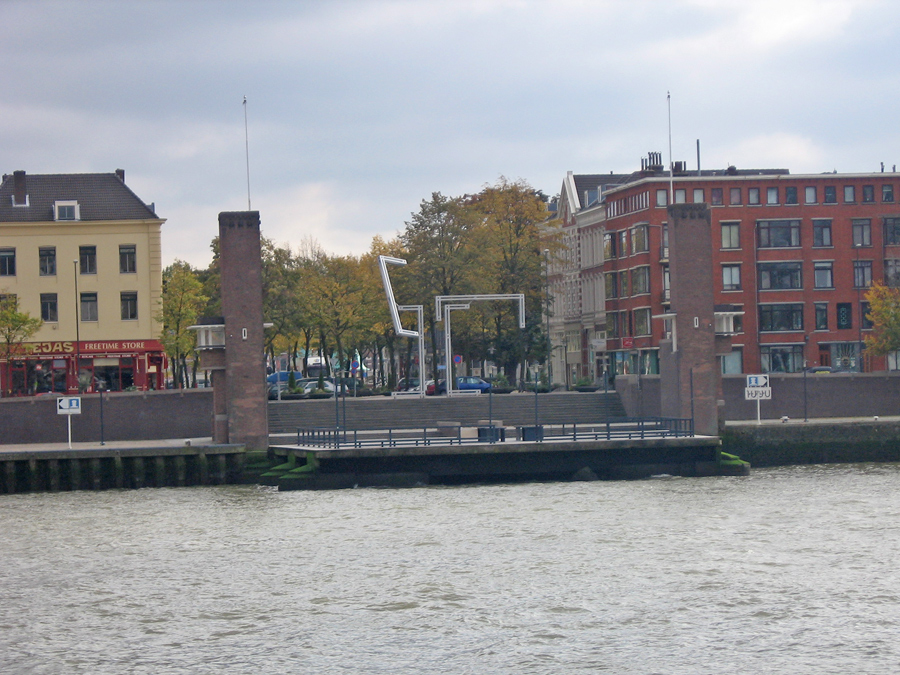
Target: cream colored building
column 83, row 253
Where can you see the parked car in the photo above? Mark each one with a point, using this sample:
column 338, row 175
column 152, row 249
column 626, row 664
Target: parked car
column 463, row 383
column 821, row 369
column 282, row 376
column 407, row 385
column 328, row 386
column 431, row 387
column 468, row 383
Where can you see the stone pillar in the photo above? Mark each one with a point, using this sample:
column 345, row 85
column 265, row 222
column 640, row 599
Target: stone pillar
column 245, row 368
column 689, row 369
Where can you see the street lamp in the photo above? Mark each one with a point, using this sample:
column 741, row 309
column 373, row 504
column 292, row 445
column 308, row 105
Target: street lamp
column 547, row 312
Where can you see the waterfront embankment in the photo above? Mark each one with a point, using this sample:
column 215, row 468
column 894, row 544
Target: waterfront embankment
column 817, row 441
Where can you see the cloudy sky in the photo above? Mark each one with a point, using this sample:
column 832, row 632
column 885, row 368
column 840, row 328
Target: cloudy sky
column 360, row 109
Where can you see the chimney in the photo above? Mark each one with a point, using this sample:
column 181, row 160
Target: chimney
column 20, row 197
column 121, row 174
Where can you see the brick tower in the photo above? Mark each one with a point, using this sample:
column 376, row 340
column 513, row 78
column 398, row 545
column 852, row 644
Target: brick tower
column 245, row 368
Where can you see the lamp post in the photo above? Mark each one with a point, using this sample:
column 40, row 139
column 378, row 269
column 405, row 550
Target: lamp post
column 547, row 312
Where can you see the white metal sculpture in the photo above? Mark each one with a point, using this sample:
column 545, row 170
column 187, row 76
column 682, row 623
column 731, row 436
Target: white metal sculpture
column 395, row 309
column 449, row 302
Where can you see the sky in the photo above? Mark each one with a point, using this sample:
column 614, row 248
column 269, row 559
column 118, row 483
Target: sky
column 357, row 110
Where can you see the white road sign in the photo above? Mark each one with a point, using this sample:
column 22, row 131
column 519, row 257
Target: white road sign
column 757, row 380
column 757, row 393
column 68, row 405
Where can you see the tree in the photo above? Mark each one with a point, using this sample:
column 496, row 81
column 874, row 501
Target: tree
column 15, row 328
column 514, row 218
column 884, row 312
column 182, row 301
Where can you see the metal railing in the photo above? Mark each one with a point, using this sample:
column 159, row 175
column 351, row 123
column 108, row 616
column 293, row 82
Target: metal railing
column 618, row 429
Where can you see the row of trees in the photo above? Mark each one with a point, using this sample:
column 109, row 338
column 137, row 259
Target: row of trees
column 490, row 242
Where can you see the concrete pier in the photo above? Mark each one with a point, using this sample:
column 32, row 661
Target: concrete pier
column 131, row 465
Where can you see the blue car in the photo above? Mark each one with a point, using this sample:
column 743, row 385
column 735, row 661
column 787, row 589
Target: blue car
column 466, row 383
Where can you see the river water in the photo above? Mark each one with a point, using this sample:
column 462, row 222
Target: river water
column 790, row 570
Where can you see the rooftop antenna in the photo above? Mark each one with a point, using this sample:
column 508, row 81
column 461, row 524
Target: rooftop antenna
column 671, row 180
column 247, row 152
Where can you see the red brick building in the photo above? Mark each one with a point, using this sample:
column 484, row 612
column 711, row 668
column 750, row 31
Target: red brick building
column 795, row 253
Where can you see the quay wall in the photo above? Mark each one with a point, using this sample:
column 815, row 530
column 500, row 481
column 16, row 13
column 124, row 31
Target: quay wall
column 127, row 416
column 818, row 395
column 814, row 443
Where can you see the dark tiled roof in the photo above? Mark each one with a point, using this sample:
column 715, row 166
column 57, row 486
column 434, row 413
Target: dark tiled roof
column 100, row 196
column 592, row 181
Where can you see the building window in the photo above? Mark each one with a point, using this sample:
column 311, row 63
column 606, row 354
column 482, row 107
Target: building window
column 868, row 194
column 128, row 259
column 698, row 195
column 662, row 197
column 9, row 300
column 849, row 194
column 862, row 273
column 49, row 311
column 824, row 275
column 779, row 276
column 867, row 322
column 778, row 233
column 47, row 261
column 892, row 231
column 623, row 243
column 781, row 358
column 786, row 317
column 680, row 196
column 640, row 280
column 887, row 193
column 715, row 196
column 810, row 194
column 821, row 315
column 612, row 324
column 623, row 284
column 830, row 194
column 642, row 321
column 733, row 362
column 89, row 307
column 753, row 196
column 844, row 315
column 611, row 286
column 734, row 196
column 66, row 210
column 129, row 306
column 892, row 273
column 772, row 195
column 609, row 245
column 87, row 259
column 7, row 262
column 639, row 239
column 790, row 194
column 821, row 233
column 862, row 232
column 731, row 235
column 731, row 277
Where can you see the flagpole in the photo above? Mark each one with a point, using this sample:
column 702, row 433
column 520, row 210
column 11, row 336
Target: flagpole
column 247, row 152
column 671, row 180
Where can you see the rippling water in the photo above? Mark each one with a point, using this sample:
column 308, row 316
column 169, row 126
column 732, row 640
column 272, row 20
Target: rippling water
column 793, row 570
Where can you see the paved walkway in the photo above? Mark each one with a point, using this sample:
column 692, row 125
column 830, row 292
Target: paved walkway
column 813, row 420
column 109, row 445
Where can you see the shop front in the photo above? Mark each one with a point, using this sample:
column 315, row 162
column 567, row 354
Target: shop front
column 70, row 367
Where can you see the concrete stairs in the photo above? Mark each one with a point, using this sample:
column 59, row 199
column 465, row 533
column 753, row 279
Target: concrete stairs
column 381, row 412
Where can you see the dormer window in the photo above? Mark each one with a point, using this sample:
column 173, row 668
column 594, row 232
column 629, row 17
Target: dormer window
column 66, row 210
